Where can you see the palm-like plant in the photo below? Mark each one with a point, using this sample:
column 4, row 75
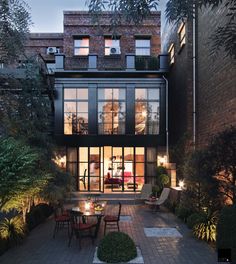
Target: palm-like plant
column 206, row 229
column 12, row 230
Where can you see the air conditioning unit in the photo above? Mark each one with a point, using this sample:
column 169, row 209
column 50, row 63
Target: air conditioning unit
column 114, row 50
column 52, row 50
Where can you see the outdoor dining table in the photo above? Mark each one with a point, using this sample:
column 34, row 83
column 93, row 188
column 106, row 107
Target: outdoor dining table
column 87, row 209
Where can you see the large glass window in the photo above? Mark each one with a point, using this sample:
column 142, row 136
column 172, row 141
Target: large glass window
column 111, row 111
column 81, row 46
column 147, row 111
column 75, row 111
column 142, row 47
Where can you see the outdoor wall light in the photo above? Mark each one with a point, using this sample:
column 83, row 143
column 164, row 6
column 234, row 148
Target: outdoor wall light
column 60, row 161
column 161, row 160
column 181, row 184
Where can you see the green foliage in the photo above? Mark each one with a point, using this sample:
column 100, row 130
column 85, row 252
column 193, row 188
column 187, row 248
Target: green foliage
column 171, row 205
column 156, row 190
column 12, row 230
column 183, row 212
column 37, row 215
column 223, row 36
column 220, row 162
column 194, row 219
column 206, row 229
column 162, row 178
column 116, row 247
column 146, row 63
column 201, row 189
column 132, row 11
column 226, row 230
column 14, row 27
column 17, row 169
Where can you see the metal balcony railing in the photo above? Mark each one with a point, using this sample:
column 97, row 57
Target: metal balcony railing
column 143, row 63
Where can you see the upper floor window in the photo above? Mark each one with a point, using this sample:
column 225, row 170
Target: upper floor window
column 75, row 111
column 112, row 46
column 111, row 111
column 171, row 53
column 142, row 47
column 147, row 111
column 81, row 46
column 182, row 34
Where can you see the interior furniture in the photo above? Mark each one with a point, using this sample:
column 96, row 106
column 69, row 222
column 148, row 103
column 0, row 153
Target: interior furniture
column 61, row 219
column 112, row 220
column 114, row 182
column 163, row 197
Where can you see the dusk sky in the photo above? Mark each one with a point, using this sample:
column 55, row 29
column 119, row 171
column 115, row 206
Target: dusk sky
column 47, row 15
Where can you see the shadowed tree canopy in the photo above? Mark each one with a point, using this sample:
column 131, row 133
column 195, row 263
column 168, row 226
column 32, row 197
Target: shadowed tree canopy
column 14, row 27
column 136, row 10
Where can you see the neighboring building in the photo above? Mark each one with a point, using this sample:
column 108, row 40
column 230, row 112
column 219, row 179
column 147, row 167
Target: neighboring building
column 215, row 80
column 110, row 107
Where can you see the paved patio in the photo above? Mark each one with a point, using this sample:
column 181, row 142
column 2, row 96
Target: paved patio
column 41, row 248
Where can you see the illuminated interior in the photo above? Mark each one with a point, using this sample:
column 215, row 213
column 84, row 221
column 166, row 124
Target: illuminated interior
column 108, row 169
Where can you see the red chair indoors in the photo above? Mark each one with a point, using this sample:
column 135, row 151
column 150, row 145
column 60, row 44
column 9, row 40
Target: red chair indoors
column 79, row 227
column 62, row 220
column 111, row 220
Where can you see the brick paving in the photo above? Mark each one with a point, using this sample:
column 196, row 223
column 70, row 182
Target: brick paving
column 40, row 248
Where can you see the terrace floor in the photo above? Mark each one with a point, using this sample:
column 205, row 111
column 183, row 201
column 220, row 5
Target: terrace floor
column 40, row 248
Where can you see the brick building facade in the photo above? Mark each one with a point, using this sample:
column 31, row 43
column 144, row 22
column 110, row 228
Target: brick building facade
column 110, row 99
column 215, row 81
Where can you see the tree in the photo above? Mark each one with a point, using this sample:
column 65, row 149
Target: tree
column 201, row 190
column 14, row 27
column 27, row 107
column 137, row 10
column 224, row 36
column 18, row 169
column 221, row 162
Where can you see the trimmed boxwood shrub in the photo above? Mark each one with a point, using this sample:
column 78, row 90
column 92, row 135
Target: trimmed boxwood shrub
column 116, row 247
column 194, row 219
column 37, row 215
column 226, row 230
column 183, row 212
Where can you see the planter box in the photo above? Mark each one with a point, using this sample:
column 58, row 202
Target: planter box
column 137, row 260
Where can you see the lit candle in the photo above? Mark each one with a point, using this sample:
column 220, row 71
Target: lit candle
column 87, row 206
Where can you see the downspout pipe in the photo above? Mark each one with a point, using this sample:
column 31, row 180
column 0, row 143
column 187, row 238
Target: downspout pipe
column 167, row 119
column 194, row 76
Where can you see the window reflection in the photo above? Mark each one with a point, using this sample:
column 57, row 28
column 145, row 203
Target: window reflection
column 111, row 111
column 81, row 46
column 147, row 111
column 76, row 111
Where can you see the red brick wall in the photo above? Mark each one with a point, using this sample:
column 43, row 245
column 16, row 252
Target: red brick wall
column 39, row 42
column 216, row 81
column 180, row 86
column 80, row 23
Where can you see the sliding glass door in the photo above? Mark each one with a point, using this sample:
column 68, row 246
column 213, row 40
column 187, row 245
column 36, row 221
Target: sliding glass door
column 111, row 169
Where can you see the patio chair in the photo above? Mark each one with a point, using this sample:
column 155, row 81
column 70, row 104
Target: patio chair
column 61, row 219
column 146, row 191
column 111, row 220
column 80, row 228
column 163, row 197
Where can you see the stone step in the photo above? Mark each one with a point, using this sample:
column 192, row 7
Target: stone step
column 112, row 198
